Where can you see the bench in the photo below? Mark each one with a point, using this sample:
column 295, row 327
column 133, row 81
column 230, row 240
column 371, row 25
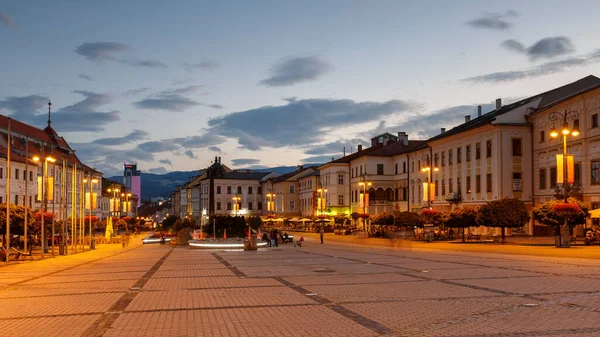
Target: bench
column 13, row 254
column 476, row 237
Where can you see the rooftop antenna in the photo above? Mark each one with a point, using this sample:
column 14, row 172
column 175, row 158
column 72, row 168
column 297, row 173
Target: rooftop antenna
column 49, row 107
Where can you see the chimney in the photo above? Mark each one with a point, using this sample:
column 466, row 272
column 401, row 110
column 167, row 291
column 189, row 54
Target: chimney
column 298, row 167
column 467, row 118
column 498, row 103
column 219, row 160
column 403, row 137
column 479, row 111
column 359, row 147
column 443, row 130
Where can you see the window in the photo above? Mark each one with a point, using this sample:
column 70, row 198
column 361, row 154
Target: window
column 468, row 152
column 379, row 169
column 517, row 182
column 260, row 206
column 577, row 173
column 443, row 158
column 403, row 167
column 30, row 202
column 459, row 185
column 516, row 147
column 413, row 166
column 1, row 199
column 228, row 189
column 419, row 165
column 340, row 179
column 443, row 187
column 218, row 189
column 239, row 190
column 595, row 177
column 218, row 205
column 1, row 172
column 477, row 151
column 468, row 184
column 437, row 188
column 542, row 136
column 450, row 189
column 458, row 155
column 488, row 150
column 413, row 193
column 340, row 200
column 450, row 157
column 249, row 189
column 595, row 120
column 542, row 179
column 396, row 169
column 16, row 173
column 259, row 190
column 553, row 176
column 404, row 193
column 488, row 182
column 229, row 206
column 250, row 205
column 361, row 170
column 16, row 199
column 292, row 189
column 25, row 174
column 292, row 205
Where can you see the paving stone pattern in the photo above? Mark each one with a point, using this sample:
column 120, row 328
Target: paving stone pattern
column 316, row 290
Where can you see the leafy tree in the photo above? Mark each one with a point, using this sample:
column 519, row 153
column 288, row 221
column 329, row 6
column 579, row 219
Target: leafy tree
column 169, row 221
column 409, row 219
column 461, row 218
column 504, row 213
column 430, row 216
column 178, row 225
column 545, row 214
column 17, row 219
column 384, row 219
column 254, row 222
column 183, row 236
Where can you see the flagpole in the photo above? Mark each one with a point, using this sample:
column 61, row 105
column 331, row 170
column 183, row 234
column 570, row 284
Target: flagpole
column 81, row 228
column 53, row 215
column 62, row 208
column 43, row 198
column 8, row 195
column 73, row 234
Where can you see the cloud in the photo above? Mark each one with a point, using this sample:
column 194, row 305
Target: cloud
column 337, row 147
column 165, row 161
column 241, row 162
column 79, row 117
column 101, row 52
column 318, row 159
column 7, row 21
column 292, row 70
column 134, row 136
column 547, row 68
column 190, row 154
column 495, row 21
column 182, row 143
column 173, row 100
column 204, row 65
column 299, row 122
column 107, row 159
column 548, row 47
column 85, row 77
column 135, row 92
column 214, row 149
column 158, row 170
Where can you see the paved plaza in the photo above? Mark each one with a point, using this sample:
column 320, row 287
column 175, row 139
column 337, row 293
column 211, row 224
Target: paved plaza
column 317, row 290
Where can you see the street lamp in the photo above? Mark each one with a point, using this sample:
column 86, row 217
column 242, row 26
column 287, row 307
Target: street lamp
column 427, row 169
column 44, row 196
column 114, row 191
column 127, row 207
column 92, row 204
column 236, row 206
column 364, row 184
column 566, row 160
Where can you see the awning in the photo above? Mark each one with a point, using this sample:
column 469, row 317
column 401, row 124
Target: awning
column 595, row 213
column 293, row 219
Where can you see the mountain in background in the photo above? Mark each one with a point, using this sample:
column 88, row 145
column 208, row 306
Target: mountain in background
column 162, row 185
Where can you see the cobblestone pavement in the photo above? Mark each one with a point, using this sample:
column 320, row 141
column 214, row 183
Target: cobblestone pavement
column 316, row 290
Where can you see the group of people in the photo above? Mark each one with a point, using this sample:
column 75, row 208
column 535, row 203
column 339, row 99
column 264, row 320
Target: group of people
column 272, row 237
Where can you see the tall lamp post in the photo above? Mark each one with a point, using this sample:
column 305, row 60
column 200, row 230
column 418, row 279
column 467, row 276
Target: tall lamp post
column 92, row 204
column 127, row 209
column 364, row 184
column 322, row 191
column 44, row 197
column 427, row 169
column 567, row 160
column 115, row 192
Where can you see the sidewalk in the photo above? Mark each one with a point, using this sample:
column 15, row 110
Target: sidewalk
column 20, row 271
column 535, row 246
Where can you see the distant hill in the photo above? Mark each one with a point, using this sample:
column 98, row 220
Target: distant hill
column 162, row 185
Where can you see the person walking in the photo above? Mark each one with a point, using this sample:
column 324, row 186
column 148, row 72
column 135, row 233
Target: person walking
column 321, row 234
column 276, row 237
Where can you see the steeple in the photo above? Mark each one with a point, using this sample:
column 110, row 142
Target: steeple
column 49, row 107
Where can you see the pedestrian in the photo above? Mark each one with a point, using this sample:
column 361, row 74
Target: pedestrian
column 162, row 238
column 322, row 233
column 276, row 237
column 265, row 237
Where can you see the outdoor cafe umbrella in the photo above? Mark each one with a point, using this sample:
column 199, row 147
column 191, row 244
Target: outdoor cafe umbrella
column 109, row 228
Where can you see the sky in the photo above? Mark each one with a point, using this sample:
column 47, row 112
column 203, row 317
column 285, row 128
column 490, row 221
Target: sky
column 172, row 84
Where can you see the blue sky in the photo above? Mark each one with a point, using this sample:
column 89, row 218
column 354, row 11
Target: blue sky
column 173, row 84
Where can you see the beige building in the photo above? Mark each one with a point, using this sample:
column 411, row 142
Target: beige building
column 284, row 192
column 307, row 193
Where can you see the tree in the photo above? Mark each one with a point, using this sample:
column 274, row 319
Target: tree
column 254, row 222
column 384, row 219
column 504, row 213
column 17, row 219
column 408, row 219
column 461, row 218
column 430, row 216
column 169, row 221
column 546, row 214
column 178, row 225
